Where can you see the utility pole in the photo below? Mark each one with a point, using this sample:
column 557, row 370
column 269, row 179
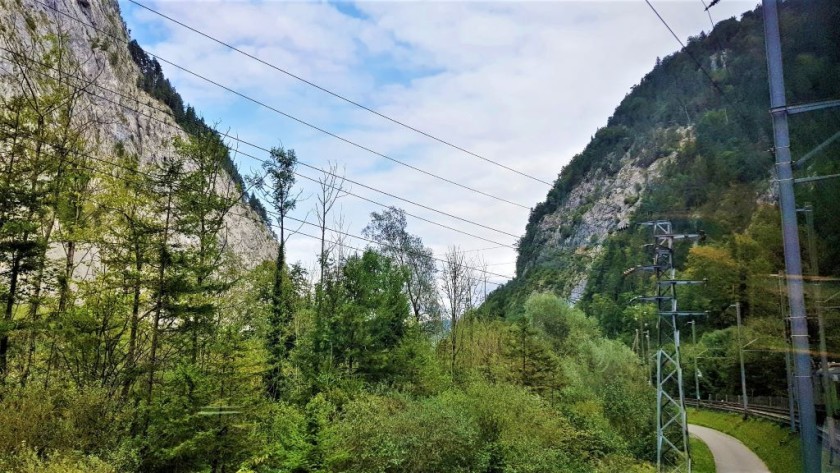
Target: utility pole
column 648, row 358
column 829, row 397
column 741, row 358
column 828, row 392
column 788, row 371
column 696, row 370
column 790, row 236
column 637, row 347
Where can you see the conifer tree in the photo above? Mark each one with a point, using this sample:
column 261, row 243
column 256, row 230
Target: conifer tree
column 280, row 337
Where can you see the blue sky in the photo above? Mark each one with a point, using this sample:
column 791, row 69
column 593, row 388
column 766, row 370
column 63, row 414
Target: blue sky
column 522, row 83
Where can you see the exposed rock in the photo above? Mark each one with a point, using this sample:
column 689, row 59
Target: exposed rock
column 600, row 204
column 97, row 40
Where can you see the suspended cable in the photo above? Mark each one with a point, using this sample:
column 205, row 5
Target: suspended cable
column 335, row 94
column 383, row 245
column 723, row 95
column 485, row 249
column 706, row 9
column 228, row 211
column 699, row 64
column 294, row 118
column 263, row 161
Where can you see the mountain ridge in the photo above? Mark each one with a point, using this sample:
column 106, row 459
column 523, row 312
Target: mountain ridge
column 673, row 142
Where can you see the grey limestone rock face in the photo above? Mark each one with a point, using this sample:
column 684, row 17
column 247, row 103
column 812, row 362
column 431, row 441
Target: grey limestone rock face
column 125, row 116
column 601, row 203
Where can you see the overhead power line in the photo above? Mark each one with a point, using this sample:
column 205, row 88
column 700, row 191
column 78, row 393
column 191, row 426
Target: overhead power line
column 263, row 161
column 384, row 245
column 274, row 214
column 362, row 250
column 292, row 117
column 744, row 120
column 335, row 94
column 696, row 61
column 345, row 191
column 706, row 9
column 485, row 249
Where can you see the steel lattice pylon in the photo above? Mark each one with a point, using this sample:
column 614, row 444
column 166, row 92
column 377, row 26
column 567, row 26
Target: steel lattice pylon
column 672, row 448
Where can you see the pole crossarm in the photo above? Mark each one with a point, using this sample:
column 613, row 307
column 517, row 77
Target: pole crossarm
column 653, row 223
column 810, row 154
column 680, row 282
column 803, row 180
column 651, row 268
column 651, row 298
column 680, row 236
column 806, row 107
column 682, row 313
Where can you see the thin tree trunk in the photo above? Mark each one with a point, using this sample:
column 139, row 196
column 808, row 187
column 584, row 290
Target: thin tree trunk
column 34, row 315
column 159, row 301
column 63, row 289
column 131, row 359
column 7, row 316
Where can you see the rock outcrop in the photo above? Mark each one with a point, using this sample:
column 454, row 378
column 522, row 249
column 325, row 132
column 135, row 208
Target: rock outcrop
column 125, row 116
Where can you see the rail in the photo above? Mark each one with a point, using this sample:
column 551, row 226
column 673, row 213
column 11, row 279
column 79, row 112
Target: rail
column 772, row 413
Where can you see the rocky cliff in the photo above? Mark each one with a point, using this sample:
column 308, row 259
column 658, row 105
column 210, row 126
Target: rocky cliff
column 119, row 114
column 691, row 143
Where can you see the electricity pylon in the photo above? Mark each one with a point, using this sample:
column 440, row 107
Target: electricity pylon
column 672, row 448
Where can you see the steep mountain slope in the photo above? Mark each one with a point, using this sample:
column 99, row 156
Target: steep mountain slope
column 689, row 144
column 122, row 117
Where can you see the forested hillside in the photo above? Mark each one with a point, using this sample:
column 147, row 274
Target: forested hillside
column 701, row 141
column 137, row 336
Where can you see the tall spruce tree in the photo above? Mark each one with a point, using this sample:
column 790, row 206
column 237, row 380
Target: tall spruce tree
column 280, row 340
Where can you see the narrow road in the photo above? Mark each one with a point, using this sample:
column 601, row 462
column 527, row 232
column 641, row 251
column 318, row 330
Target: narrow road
column 731, row 456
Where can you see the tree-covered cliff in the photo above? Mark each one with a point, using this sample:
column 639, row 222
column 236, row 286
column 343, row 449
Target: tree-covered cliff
column 694, row 138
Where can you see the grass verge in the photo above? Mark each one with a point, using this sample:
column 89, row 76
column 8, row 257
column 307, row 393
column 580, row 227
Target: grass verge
column 775, row 445
column 702, row 460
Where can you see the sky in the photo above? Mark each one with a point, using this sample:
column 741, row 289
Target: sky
column 525, row 84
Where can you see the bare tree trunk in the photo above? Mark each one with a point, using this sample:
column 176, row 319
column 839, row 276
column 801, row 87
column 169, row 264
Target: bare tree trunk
column 458, row 285
column 332, row 189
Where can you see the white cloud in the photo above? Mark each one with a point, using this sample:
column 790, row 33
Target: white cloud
column 522, row 83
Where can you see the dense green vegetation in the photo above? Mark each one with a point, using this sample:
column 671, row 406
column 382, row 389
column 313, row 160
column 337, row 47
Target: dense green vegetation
column 719, row 181
column 774, row 444
column 134, row 339
column 728, row 156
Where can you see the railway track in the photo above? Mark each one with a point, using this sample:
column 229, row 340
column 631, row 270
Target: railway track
column 776, row 414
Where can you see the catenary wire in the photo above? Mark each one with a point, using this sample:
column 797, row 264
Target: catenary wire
column 292, row 117
column 334, row 94
column 697, row 62
column 361, row 251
